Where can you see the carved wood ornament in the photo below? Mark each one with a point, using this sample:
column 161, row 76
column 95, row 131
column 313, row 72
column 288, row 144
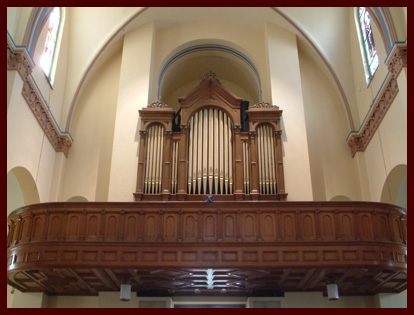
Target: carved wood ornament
column 19, row 59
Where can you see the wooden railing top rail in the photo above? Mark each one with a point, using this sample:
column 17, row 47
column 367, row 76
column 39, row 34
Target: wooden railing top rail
column 222, row 205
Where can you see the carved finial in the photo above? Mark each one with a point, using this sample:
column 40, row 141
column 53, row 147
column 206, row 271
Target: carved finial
column 212, row 75
column 264, row 104
column 157, row 104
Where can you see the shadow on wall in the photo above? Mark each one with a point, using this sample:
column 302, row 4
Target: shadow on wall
column 394, row 190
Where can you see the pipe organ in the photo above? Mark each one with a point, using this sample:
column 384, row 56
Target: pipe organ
column 218, row 148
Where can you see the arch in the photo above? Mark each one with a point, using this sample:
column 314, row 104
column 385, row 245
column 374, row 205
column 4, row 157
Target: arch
column 394, row 190
column 199, row 55
column 77, row 199
column 21, row 189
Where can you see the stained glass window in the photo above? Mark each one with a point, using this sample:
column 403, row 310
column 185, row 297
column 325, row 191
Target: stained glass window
column 46, row 60
column 371, row 55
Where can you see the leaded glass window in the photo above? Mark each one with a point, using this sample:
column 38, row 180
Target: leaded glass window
column 371, row 56
column 47, row 58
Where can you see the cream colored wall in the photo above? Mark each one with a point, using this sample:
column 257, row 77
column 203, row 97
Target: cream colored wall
column 334, row 171
column 27, row 145
column 17, row 19
column 86, row 170
column 132, row 96
column 287, row 94
column 390, row 300
column 72, row 302
column 251, row 42
column 388, row 147
column 328, row 28
column 102, row 22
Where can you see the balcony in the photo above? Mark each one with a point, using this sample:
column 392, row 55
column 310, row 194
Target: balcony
column 232, row 248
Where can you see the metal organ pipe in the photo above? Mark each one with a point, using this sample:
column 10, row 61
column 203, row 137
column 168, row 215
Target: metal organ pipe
column 154, row 158
column 210, row 144
column 266, row 160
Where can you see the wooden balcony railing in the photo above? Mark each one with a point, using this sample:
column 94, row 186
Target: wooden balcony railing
column 244, row 235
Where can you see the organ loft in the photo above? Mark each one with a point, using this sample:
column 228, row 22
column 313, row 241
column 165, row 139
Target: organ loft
column 210, row 217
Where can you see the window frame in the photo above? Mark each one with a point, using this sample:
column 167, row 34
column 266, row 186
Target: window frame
column 50, row 77
column 369, row 74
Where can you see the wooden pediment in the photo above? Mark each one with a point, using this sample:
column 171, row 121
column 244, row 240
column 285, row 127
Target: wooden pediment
column 210, row 93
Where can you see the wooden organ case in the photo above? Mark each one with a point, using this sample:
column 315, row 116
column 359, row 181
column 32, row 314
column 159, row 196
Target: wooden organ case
column 214, row 152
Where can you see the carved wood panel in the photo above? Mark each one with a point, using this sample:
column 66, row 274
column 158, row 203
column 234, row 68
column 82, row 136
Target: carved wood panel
column 249, row 236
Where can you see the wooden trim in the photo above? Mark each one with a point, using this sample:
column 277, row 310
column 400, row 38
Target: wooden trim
column 19, row 59
column 397, row 59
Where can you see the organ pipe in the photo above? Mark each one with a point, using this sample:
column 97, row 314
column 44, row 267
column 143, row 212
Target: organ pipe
column 174, row 168
column 266, row 160
column 154, row 158
column 210, row 166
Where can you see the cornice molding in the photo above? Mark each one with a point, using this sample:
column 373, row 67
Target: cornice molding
column 19, row 59
column 396, row 60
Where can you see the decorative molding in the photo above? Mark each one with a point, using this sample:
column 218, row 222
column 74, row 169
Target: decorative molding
column 272, row 237
column 19, row 59
column 397, row 59
column 264, row 105
column 210, row 75
column 157, row 104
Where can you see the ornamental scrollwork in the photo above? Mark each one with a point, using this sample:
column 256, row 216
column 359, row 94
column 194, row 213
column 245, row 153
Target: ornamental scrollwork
column 264, row 105
column 157, row 104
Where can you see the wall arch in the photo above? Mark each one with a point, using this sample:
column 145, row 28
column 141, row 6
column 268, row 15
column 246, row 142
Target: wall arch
column 21, row 189
column 190, row 61
column 394, row 190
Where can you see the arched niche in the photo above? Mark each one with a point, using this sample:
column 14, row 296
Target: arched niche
column 182, row 69
column 21, row 189
column 394, row 190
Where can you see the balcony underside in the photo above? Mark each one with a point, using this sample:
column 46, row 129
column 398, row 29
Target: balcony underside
column 185, row 248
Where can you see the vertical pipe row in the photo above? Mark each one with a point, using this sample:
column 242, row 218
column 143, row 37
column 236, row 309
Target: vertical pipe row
column 205, row 148
column 210, row 149
column 230, row 149
column 210, row 167
column 246, row 163
column 174, row 168
column 195, row 151
column 216, row 150
column 190, row 153
column 266, row 160
column 154, row 158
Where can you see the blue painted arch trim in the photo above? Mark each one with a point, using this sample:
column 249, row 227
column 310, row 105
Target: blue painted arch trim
column 212, row 47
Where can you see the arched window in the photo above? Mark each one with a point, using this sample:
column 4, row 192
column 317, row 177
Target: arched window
column 370, row 55
column 48, row 59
